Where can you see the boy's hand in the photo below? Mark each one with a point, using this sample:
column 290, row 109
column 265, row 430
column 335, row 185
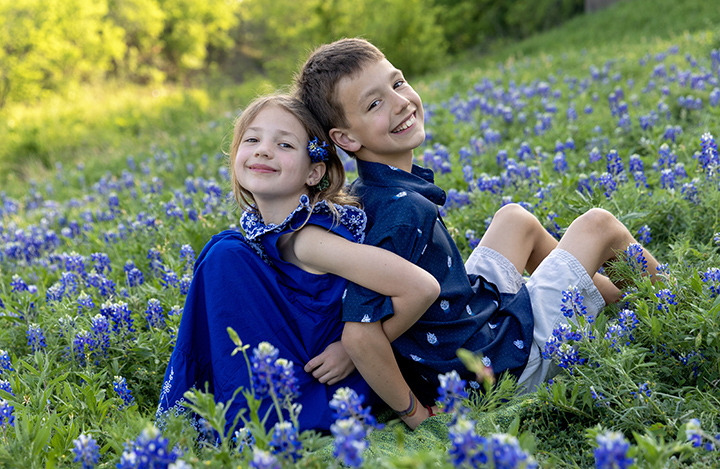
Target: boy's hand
column 332, row 365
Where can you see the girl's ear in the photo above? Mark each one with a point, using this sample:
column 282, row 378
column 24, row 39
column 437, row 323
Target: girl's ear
column 317, row 171
column 344, row 140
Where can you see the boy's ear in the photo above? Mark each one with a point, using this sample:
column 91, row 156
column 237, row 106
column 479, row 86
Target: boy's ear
column 344, row 140
column 317, row 171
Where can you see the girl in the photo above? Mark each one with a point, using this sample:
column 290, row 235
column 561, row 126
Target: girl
column 283, row 281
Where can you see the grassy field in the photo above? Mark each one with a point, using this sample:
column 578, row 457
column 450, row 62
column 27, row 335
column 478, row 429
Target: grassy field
column 617, row 109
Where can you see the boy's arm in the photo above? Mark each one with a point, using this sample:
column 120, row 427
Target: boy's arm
column 374, row 358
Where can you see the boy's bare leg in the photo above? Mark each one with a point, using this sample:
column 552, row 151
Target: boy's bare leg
column 370, row 350
column 596, row 237
column 518, row 235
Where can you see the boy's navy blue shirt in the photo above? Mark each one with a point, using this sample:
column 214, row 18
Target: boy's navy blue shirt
column 402, row 211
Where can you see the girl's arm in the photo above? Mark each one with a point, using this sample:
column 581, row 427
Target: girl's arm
column 411, row 288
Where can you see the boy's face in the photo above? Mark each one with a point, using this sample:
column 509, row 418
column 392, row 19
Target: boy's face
column 385, row 116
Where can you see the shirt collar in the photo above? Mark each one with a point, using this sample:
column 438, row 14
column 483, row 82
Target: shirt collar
column 420, row 180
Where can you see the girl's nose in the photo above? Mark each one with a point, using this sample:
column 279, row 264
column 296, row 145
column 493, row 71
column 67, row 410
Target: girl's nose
column 263, row 150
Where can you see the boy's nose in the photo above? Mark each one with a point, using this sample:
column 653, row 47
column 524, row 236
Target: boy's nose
column 400, row 102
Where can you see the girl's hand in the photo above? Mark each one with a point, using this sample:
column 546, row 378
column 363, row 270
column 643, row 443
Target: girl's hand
column 332, row 365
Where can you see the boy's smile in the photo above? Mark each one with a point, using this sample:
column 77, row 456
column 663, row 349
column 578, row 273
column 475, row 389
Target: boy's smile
column 385, row 116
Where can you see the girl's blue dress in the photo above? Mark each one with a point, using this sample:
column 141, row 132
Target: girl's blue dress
column 241, row 282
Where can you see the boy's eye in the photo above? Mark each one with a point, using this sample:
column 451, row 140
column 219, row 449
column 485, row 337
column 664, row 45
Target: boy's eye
column 373, row 104
column 399, row 83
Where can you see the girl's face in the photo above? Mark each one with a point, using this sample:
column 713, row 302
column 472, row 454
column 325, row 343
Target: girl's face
column 272, row 160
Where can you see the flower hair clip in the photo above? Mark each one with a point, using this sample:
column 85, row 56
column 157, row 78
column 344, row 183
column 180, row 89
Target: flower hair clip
column 317, row 151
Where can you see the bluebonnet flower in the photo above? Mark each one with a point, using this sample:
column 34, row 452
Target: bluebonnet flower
column 689, row 191
column 243, row 438
column 18, row 284
column 5, row 386
column 611, row 452
column 643, row 391
column 149, row 450
column 598, row 396
column 100, row 329
column 347, row 403
column 350, row 443
column 263, row 368
column 5, row 362
column 86, row 451
column 84, row 343
column 286, row 384
column 712, row 278
column 472, row 240
column 709, row 157
column 169, row 279
column 133, row 276
column 184, row 284
column 69, row 282
column 102, row 262
column 667, row 299
column 693, row 432
column 559, row 347
column 608, row 183
column 559, row 162
column 572, row 303
column 155, row 260
column 7, row 417
column 84, row 301
column 285, row 441
column 264, row 460
column 36, row 338
column 622, row 331
column 643, row 235
column 667, row 178
column 595, row 155
column 636, row 258
column 154, row 314
column 74, row 262
column 507, row 454
column 467, row 448
column 120, row 316
column 187, row 253
column 714, row 98
column 451, row 391
column 121, row 388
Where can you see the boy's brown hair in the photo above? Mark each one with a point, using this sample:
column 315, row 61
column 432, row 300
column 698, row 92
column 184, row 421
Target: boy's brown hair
column 316, row 84
column 334, row 170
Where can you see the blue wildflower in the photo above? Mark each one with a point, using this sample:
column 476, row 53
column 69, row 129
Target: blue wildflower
column 149, row 450
column 86, row 451
column 84, row 301
column 5, row 386
column 667, row 299
column 184, row 284
column 467, row 448
column 121, row 388
column 643, row 391
column 693, row 432
column 264, row 460
column 572, row 303
column 169, row 279
column 102, row 262
column 188, row 254
column 54, row 292
column 18, row 284
column 451, row 391
column 350, row 441
column 263, row 368
column 643, row 235
column 347, row 403
column 5, row 362
column 154, row 314
column 611, row 452
column 36, row 338
column 636, row 258
column 285, row 441
column 608, row 183
column 712, row 278
column 100, row 329
column 7, row 417
column 507, row 454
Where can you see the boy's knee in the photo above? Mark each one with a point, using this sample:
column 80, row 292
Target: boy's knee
column 513, row 213
column 603, row 223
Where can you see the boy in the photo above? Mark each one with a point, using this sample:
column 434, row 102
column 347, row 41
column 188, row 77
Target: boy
column 371, row 112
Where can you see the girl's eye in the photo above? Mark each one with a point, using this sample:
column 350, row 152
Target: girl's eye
column 251, row 140
column 373, row 104
column 287, row 145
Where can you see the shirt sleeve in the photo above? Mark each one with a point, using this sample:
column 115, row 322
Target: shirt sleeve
column 363, row 305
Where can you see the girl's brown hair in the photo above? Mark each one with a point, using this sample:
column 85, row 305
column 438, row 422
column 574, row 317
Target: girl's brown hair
column 334, row 170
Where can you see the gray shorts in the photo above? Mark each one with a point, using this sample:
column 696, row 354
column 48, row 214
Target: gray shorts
column 556, row 273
